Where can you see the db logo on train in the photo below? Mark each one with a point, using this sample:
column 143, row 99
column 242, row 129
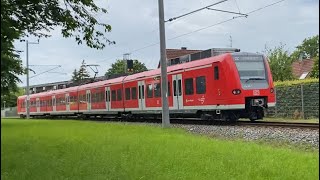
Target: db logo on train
column 256, row 92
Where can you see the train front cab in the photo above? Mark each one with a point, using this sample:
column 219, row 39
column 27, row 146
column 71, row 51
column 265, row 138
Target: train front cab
column 256, row 85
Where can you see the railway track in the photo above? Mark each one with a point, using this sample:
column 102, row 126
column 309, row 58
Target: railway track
column 197, row 121
column 280, row 124
column 239, row 123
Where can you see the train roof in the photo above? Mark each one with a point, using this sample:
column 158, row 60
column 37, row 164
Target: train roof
column 178, row 67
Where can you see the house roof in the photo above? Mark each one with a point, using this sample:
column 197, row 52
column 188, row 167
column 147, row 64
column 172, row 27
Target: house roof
column 302, row 66
column 174, row 53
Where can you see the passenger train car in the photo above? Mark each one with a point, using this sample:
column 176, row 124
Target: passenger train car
column 228, row 87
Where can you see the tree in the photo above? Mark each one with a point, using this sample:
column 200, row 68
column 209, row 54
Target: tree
column 75, row 76
column 280, row 63
column 309, row 48
column 119, row 65
column 82, row 74
column 10, row 99
column 315, row 68
column 37, row 18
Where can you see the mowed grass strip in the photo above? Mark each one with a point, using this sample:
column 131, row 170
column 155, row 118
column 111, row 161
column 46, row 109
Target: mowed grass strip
column 56, row 149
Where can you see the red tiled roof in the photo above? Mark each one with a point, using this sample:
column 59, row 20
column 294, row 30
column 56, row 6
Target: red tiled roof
column 300, row 67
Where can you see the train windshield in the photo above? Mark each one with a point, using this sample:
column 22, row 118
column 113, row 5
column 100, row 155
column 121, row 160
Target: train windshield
column 252, row 70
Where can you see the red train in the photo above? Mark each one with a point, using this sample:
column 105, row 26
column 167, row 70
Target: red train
column 229, row 86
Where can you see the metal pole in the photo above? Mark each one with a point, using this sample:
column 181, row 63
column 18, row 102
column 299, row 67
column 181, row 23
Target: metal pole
column 275, row 96
column 302, row 102
column 163, row 63
column 28, row 89
column 125, row 58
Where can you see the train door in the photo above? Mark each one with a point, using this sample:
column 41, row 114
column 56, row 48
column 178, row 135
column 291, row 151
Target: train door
column 25, row 105
column 141, row 98
column 108, row 103
column 54, row 104
column 67, row 97
column 217, row 82
column 88, row 95
column 38, row 104
column 177, row 91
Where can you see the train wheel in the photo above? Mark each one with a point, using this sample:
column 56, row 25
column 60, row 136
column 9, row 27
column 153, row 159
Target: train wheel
column 253, row 116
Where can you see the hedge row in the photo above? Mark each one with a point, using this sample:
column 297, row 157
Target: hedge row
column 296, row 82
column 295, row 100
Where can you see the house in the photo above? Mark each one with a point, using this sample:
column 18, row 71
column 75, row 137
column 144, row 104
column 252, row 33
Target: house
column 183, row 55
column 302, row 68
column 176, row 53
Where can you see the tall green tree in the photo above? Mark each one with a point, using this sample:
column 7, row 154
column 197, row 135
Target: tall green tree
column 309, row 48
column 10, row 99
column 315, row 69
column 81, row 75
column 75, row 77
column 20, row 19
column 119, row 68
column 280, row 63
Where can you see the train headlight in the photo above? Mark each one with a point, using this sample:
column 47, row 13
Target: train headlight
column 271, row 90
column 236, row 91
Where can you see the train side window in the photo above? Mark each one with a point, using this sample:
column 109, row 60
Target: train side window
column 97, row 97
column 134, row 93
column 113, row 95
column 201, row 85
column 188, row 86
column 179, row 87
column 119, row 95
column 108, row 96
column 157, row 90
column 139, row 92
column 174, row 88
column 142, row 91
column 149, row 91
column 93, row 98
column 127, row 91
column 169, row 89
column 216, row 73
column 102, row 96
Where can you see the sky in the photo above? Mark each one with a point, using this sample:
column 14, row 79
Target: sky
column 135, row 25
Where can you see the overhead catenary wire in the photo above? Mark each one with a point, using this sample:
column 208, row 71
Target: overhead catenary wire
column 197, row 10
column 200, row 29
column 46, row 71
column 44, row 65
column 231, row 12
column 170, row 20
column 265, row 7
column 237, row 5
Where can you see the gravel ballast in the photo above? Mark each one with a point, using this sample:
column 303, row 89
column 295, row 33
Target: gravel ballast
column 308, row 137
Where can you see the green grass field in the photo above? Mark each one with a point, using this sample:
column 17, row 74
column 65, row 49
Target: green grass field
column 44, row 150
